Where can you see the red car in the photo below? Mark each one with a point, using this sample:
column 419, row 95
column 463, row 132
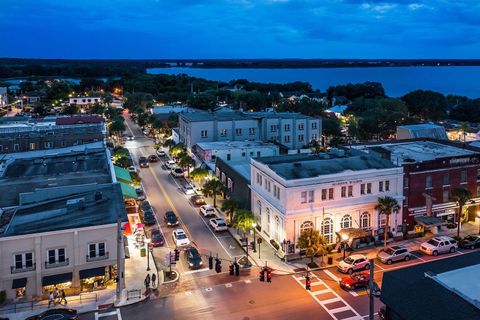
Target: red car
column 355, row 280
column 156, row 238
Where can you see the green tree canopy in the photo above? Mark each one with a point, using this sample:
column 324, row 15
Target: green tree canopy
column 461, row 196
column 426, row 104
column 229, row 206
column 213, row 188
column 312, row 241
column 243, row 220
column 386, row 205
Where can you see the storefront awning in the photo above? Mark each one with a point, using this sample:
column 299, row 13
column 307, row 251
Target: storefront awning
column 57, row 278
column 128, row 191
column 95, row 272
column 122, row 174
column 19, row 283
column 429, row 221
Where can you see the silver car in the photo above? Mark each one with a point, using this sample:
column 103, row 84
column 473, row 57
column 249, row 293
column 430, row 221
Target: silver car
column 393, row 254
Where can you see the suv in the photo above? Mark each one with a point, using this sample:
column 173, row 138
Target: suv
column 143, row 162
column 207, row 210
column 392, row 254
column 177, row 172
column 439, row 245
column 355, row 262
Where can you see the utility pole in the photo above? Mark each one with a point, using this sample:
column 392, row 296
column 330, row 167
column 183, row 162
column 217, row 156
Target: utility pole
column 370, row 285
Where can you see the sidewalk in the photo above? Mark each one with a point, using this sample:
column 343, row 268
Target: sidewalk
column 134, row 291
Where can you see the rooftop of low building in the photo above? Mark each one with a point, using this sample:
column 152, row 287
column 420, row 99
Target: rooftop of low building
column 304, row 166
column 26, row 171
column 99, row 205
column 418, row 150
column 240, row 115
column 227, row 145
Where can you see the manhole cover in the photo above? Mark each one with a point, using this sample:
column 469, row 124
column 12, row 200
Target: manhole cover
column 251, row 301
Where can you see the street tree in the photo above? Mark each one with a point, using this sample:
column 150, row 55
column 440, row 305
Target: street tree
column 461, row 196
column 186, row 162
column 313, row 242
column 199, row 174
column 176, row 150
column 243, row 220
column 229, row 206
column 117, row 126
column 213, row 188
column 386, row 205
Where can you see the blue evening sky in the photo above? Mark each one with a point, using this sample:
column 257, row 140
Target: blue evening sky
column 240, row 29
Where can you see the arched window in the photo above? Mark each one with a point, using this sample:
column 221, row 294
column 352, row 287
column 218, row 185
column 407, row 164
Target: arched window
column 267, row 229
column 346, row 222
column 278, row 230
column 327, row 230
column 365, row 220
column 307, row 225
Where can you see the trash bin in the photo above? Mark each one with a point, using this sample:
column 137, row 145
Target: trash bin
column 143, row 252
column 330, row 260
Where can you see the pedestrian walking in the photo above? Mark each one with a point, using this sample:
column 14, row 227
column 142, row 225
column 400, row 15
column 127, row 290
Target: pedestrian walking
column 50, row 299
column 147, row 281
column 63, row 297
column 56, row 295
column 154, row 278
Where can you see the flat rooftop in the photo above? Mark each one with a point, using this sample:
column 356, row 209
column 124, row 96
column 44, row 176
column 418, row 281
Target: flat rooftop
column 98, row 206
column 27, row 171
column 227, row 145
column 459, row 280
column 292, row 167
column 239, row 115
column 417, row 151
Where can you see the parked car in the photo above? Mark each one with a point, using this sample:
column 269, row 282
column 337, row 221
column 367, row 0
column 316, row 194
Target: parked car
column 354, row 281
column 439, row 245
column 355, row 262
column 140, row 193
column 156, row 237
column 193, row 258
column 149, row 217
column 143, row 162
column 188, row 189
column 177, row 172
column 130, row 138
column 198, row 200
column 180, row 238
column 161, row 153
column 171, row 219
column 145, row 205
column 170, row 164
column 218, row 224
column 470, row 242
column 57, row 314
column 132, row 169
column 393, row 254
column 207, row 210
column 152, row 158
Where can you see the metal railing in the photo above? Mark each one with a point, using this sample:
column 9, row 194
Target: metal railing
column 14, row 269
column 56, row 264
column 97, row 257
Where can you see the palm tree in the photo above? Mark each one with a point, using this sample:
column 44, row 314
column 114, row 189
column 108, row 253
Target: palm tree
column 213, row 188
column 386, row 206
column 243, row 220
column 313, row 242
column 199, row 174
column 186, row 162
column 463, row 129
column 229, row 206
column 460, row 196
column 176, row 150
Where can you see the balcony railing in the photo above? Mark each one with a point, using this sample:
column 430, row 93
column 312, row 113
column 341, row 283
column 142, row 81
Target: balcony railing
column 97, row 257
column 14, row 269
column 56, row 264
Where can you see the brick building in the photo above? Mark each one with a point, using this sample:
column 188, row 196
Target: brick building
column 432, row 168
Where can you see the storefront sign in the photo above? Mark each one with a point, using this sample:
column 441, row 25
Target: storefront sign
column 461, row 161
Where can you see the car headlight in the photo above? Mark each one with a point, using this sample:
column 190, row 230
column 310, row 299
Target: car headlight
column 201, row 263
column 190, row 264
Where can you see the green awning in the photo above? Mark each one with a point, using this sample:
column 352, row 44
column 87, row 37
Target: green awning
column 122, row 174
column 128, row 191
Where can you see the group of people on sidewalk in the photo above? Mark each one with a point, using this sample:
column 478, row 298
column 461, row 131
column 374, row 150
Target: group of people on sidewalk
column 57, row 297
column 149, row 280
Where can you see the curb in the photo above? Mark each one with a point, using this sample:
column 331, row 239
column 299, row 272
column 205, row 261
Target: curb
column 171, row 281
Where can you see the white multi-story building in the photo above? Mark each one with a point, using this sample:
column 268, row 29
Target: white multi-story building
column 328, row 192
column 3, row 97
column 84, row 101
column 292, row 130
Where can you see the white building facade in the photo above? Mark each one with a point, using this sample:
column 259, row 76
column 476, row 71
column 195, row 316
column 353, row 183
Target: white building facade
column 295, row 193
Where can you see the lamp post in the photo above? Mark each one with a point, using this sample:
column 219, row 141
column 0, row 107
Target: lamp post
column 344, row 240
column 254, row 225
column 147, row 241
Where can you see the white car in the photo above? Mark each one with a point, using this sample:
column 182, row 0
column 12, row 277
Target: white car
column 132, row 169
column 218, row 224
column 177, row 172
column 188, row 189
column 161, row 153
column 438, row 245
column 207, row 210
column 355, row 262
column 180, row 238
column 170, row 164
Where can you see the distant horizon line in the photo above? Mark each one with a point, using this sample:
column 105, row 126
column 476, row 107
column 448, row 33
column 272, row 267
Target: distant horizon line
column 246, row 59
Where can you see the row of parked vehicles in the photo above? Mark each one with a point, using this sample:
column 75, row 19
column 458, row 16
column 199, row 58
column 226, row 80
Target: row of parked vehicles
column 434, row 246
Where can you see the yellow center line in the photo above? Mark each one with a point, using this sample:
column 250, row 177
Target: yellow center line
column 162, row 189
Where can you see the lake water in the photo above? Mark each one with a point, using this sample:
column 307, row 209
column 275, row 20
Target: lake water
column 396, row 81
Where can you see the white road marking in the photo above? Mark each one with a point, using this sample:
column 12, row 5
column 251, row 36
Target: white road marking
column 208, row 289
column 418, row 256
column 248, row 281
column 337, row 298
column 379, row 267
column 331, row 275
column 196, row 271
column 108, row 314
column 367, row 316
column 119, row 315
column 228, row 285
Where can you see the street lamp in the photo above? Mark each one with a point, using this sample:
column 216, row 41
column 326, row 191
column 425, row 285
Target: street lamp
column 147, row 241
column 344, row 239
column 254, row 225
